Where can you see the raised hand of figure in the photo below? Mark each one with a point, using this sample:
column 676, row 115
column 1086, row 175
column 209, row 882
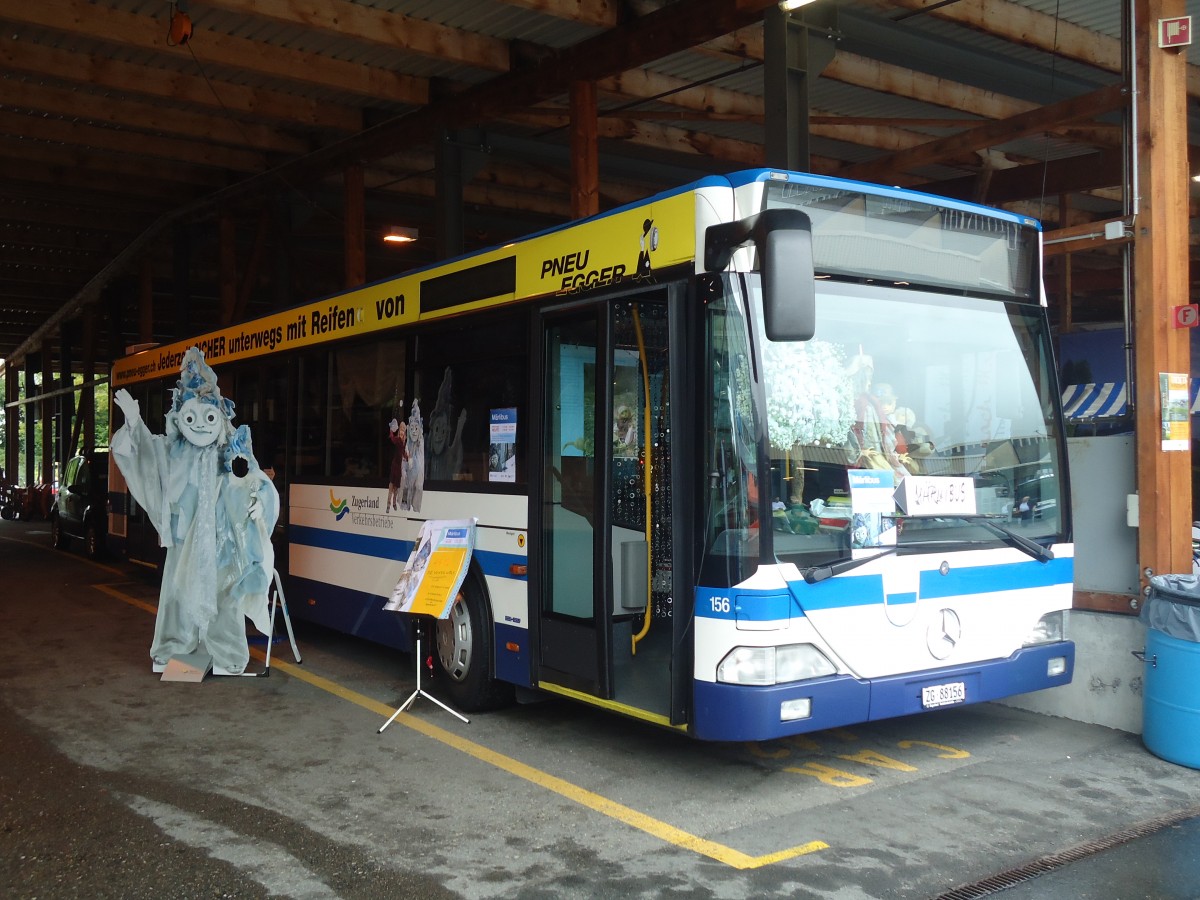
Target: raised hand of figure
column 128, row 405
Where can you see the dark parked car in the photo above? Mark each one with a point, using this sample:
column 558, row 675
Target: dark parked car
column 81, row 507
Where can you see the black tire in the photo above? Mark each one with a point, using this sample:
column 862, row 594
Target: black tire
column 463, row 653
column 58, row 537
column 93, row 541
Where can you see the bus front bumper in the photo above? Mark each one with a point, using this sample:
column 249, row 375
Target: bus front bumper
column 734, row 712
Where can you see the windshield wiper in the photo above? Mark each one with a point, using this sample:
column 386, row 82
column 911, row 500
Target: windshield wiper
column 1019, row 541
column 814, row 574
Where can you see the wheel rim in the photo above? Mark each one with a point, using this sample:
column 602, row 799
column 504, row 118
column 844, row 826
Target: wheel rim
column 455, row 641
column 93, row 541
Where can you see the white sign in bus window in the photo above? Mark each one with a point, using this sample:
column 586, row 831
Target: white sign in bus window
column 936, row 495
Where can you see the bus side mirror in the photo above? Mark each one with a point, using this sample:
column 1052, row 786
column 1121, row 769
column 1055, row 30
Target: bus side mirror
column 783, row 239
column 789, row 289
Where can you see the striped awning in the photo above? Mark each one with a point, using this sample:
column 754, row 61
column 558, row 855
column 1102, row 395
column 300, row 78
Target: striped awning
column 1095, row 401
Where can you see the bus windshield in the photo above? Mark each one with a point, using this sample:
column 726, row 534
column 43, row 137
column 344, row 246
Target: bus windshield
column 895, row 381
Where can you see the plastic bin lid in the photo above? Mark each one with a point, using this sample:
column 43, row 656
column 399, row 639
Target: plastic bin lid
column 1173, row 606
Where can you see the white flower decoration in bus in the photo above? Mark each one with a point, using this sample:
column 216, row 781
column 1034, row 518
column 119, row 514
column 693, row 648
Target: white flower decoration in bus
column 810, row 400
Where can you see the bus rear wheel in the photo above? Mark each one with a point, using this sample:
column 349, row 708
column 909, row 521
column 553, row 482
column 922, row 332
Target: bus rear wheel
column 464, row 653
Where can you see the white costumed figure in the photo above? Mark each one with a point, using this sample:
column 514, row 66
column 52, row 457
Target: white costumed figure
column 214, row 510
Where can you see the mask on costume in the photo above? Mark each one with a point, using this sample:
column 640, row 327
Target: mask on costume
column 198, row 411
column 199, row 422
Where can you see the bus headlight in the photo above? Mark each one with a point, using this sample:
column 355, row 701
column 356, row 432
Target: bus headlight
column 1048, row 630
column 748, row 665
column 773, row 665
column 797, row 662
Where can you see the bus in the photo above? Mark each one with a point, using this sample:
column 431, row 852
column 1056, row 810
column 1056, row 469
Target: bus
column 765, row 454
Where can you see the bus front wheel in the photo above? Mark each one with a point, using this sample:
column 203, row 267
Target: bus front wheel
column 464, row 653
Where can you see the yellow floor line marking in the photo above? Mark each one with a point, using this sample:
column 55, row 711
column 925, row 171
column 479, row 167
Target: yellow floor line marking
column 612, row 809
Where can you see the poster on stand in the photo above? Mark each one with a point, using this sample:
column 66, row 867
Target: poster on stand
column 435, row 569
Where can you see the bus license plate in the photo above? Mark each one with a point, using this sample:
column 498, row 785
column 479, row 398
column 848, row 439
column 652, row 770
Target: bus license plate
column 943, row 694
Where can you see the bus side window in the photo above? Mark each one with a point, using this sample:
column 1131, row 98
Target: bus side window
column 462, row 380
column 311, row 416
column 368, row 393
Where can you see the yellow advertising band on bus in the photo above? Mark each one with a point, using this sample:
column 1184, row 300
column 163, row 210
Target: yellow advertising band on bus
column 620, row 247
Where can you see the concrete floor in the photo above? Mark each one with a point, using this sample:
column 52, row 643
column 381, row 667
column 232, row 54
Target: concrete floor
column 115, row 784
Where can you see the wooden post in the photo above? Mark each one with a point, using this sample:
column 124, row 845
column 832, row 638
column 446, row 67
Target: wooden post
column 145, row 304
column 12, row 425
column 355, row 212
column 585, row 153
column 47, row 407
column 227, row 267
column 1066, row 319
column 1164, row 478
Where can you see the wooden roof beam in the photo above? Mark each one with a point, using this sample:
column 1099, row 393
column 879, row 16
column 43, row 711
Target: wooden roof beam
column 149, row 117
column 1074, row 109
column 148, row 33
column 146, row 80
column 600, row 13
column 376, row 27
column 72, row 132
column 1030, row 28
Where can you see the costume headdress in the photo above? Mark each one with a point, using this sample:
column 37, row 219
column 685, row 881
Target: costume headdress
column 198, row 380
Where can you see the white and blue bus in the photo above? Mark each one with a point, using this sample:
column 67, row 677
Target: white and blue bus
column 766, row 454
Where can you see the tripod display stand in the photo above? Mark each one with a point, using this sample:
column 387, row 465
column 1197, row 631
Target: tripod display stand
column 277, row 602
column 419, row 627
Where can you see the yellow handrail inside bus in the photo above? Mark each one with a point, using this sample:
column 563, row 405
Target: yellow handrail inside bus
column 637, row 327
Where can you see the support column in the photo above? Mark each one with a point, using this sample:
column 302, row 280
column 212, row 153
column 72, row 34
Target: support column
column 281, row 270
column 1160, row 282
column 145, row 306
column 448, row 215
column 226, row 266
column 585, row 154
column 91, row 329
column 181, row 280
column 29, row 412
column 47, row 407
column 64, row 448
column 354, row 210
column 796, row 50
column 12, row 425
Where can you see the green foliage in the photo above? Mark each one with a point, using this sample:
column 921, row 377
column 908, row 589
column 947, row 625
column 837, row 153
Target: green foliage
column 17, row 418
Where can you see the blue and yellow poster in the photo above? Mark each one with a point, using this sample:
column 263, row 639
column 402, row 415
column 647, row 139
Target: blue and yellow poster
column 435, row 569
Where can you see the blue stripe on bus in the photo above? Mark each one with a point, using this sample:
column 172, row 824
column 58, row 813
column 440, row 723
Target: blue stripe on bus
column 492, row 562
column 362, row 544
column 348, row 611
column 1007, row 577
column 864, row 590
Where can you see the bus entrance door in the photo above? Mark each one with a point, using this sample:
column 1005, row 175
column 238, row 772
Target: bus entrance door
column 574, row 629
column 605, row 410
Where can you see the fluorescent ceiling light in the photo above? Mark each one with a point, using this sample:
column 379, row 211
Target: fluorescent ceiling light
column 398, row 234
column 789, row 5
